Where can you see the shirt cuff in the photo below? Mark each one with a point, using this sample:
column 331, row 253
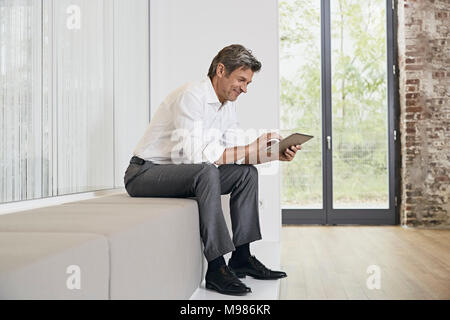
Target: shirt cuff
column 213, row 151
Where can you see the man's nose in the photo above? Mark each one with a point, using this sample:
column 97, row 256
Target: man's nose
column 244, row 88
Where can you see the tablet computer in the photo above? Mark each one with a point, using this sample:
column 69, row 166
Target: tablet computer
column 293, row 140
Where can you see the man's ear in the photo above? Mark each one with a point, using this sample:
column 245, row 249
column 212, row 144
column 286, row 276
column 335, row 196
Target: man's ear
column 220, row 70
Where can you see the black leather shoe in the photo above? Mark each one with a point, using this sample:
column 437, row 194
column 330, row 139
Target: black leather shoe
column 255, row 269
column 225, row 281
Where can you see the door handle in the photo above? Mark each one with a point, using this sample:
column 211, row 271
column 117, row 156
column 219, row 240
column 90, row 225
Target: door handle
column 329, row 142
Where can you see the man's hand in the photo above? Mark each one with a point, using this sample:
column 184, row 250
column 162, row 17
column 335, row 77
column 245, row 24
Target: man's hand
column 289, row 153
column 263, row 141
column 255, row 152
column 257, row 149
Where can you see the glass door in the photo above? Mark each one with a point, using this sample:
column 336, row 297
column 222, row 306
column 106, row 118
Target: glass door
column 336, row 84
column 301, row 108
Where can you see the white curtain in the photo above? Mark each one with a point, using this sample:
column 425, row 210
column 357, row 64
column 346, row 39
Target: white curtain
column 56, row 97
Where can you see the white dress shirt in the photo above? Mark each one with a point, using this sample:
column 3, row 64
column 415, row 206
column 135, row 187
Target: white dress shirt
column 190, row 126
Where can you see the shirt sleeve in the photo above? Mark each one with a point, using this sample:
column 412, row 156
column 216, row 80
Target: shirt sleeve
column 189, row 122
column 213, row 151
column 234, row 136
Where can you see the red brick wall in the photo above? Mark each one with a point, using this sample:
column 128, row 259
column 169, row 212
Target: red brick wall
column 424, row 79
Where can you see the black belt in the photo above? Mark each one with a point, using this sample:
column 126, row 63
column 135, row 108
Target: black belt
column 137, row 160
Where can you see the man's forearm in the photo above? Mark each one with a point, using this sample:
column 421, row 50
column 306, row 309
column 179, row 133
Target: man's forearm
column 250, row 154
column 233, row 154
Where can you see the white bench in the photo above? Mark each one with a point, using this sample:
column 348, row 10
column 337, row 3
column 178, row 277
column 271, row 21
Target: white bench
column 126, row 248
column 35, row 265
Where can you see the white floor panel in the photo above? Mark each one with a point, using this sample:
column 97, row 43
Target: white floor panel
column 269, row 254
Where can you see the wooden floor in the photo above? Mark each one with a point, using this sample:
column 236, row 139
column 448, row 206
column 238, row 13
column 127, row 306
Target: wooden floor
column 330, row 262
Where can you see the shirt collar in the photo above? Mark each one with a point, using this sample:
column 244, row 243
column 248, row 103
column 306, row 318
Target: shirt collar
column 212, row 95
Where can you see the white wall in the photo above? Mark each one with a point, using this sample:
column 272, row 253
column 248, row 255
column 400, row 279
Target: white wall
column 185, row 37
column 131, row 80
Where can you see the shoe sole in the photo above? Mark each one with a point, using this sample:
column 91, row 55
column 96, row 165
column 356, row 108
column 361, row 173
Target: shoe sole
column 212, row 286
column 243, row 274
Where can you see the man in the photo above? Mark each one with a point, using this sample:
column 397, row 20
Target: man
column 179, row 157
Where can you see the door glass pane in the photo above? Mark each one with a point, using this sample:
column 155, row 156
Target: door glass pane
column 300, row 101
column 359, row 104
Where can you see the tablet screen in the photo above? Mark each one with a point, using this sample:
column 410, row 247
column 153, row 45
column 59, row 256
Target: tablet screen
column 293, row 140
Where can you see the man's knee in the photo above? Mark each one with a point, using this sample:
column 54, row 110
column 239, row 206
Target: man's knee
column 252, row 172
column 210, row 172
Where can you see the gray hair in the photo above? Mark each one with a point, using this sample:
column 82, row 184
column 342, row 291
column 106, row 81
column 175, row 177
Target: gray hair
column 234, row 57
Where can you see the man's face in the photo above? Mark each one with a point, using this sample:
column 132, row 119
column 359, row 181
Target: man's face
column 231, row 86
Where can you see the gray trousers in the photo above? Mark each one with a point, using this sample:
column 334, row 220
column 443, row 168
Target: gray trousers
column 206, row 183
